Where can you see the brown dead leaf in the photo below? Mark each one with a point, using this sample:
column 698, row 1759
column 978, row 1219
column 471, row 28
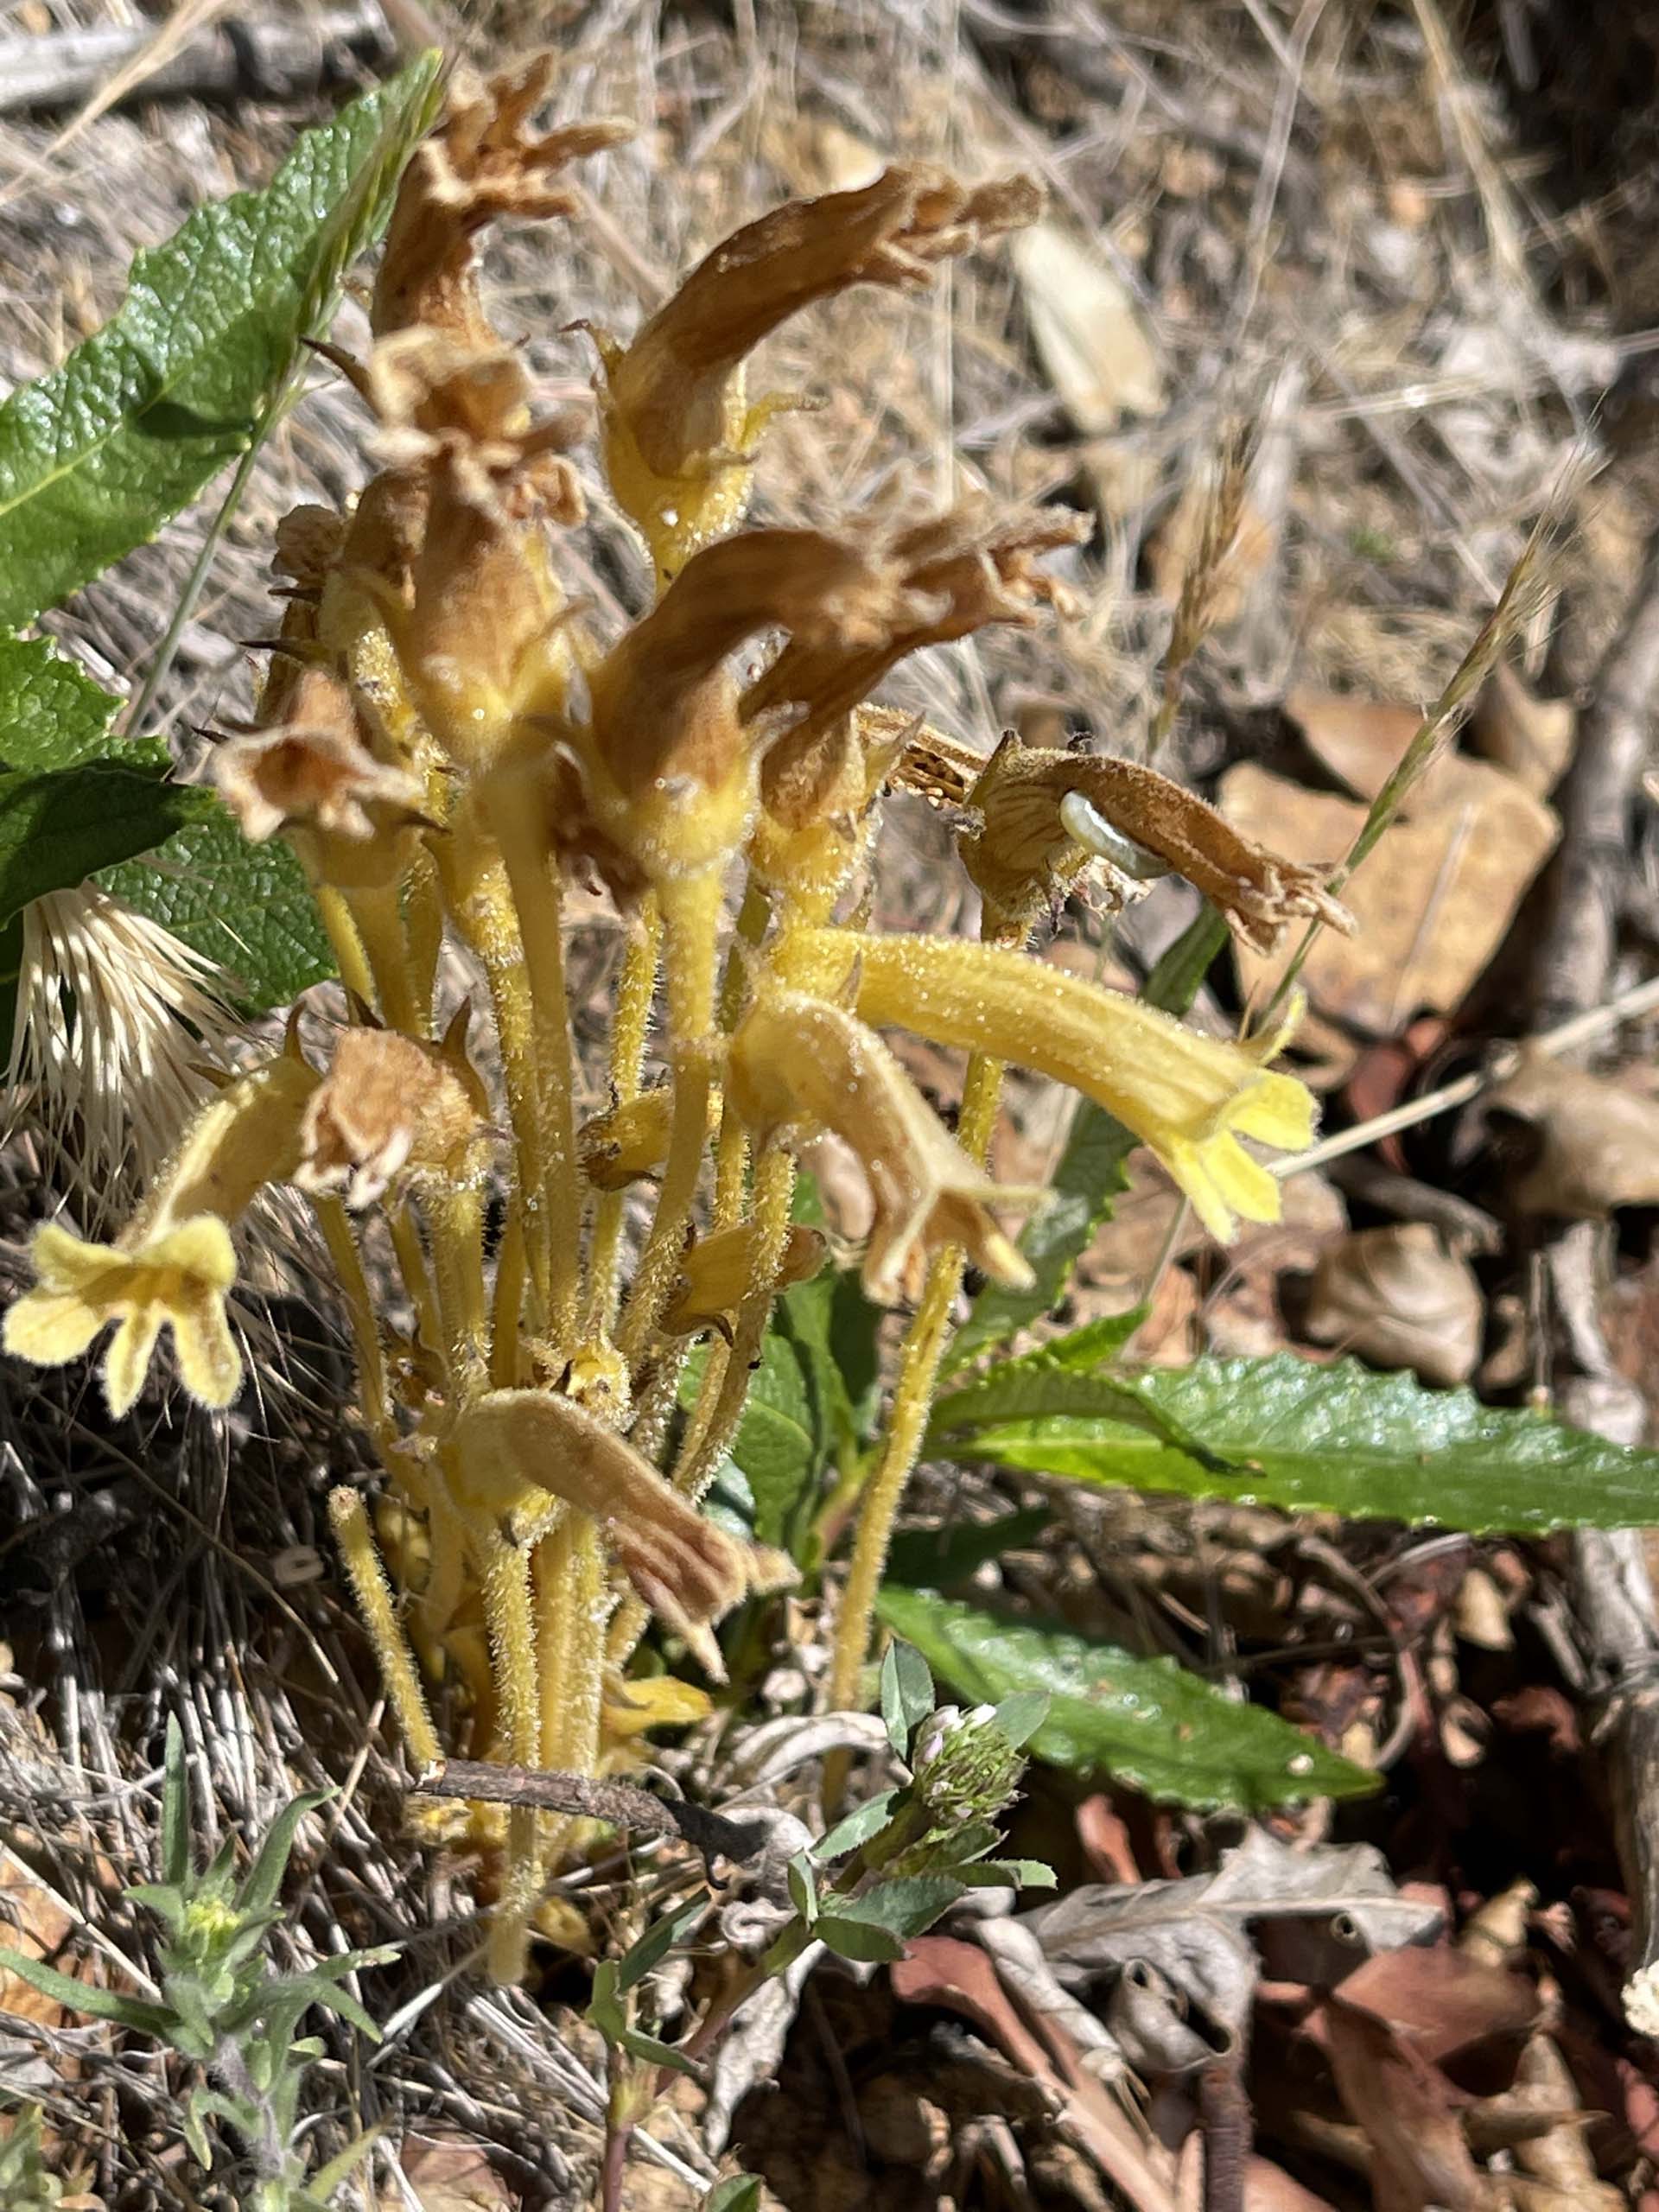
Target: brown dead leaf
column 31, row 1923
column 1533, row 738
column 1410, row 2113
column 1447, row 2003
column 1398, row 1298
column 1087, row 331
column 447, row 2173
column 1269, row 2188
column 1359, row 741
column 959, row 1977
column 1599, row 1140
column 1432, row 904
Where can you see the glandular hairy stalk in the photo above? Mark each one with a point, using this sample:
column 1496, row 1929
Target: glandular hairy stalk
column 445, row 739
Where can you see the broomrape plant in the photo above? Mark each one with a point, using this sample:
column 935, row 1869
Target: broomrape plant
column 445, row 739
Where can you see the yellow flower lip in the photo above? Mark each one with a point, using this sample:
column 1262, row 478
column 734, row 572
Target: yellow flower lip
column 177, row 1279
column 1189, row 1098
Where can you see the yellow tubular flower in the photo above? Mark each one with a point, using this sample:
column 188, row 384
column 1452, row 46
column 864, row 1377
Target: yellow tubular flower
column 178, row 1279
column 797, row 1061
column 173, row 1264
column 1189, row 1098
column 511, row 1445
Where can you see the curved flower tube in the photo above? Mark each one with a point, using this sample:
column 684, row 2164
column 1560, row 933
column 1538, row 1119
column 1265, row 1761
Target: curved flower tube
column 1189, row 1098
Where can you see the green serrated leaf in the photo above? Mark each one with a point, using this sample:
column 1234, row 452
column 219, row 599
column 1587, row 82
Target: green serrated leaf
column 96, row 456
column 1147, row 1721
column 906, row 1693
column 907, row 1906
column 803, row 1881
column 1006, row 1874
column 1089, row 1175
column 864, row 1944
column 59, row 825
column 53, row 716
column 248, row 907
column 1019, row 1718
column 1042, row 1385
column 1344, row 1439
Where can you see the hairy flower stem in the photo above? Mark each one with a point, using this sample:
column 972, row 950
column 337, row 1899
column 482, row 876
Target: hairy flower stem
column 510, row 1622
column 690, row 926
column 380, row 926
column 912, row 1398
column 336, row 1229
column 481, row 903
column 356, row 1541
column 636, row 988
column 417, row 1277
column 344, row 942
column 538, row 896
column 456, row 1220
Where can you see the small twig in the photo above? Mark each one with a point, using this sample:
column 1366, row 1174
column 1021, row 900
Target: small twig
column 1224, row 2117
column 1582, row 1029
column 269, row 58
column 620, row 1802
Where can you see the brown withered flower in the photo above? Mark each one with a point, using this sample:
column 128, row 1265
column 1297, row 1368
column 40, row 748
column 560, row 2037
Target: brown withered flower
column 313, row 772
column 481, row 164
column 484, row 625
column 946, row 577
column 1046, row 816
column 799, row 1062
column 388, row 1104
column 679, row 430
column 510, row 1444
column 671, row 766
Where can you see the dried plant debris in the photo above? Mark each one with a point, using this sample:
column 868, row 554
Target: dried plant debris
column 1591, row 1143
column 1399, row 1298
column 1430, row 908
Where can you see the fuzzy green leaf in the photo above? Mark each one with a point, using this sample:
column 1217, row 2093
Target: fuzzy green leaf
column 96, row 456
column 1342, row 1439
column 1059, row 1380
column 1145, row 1721
column 81, row 1996
column 906, row 1693
column 58, row 826
column 246, row 906
column 52, row 714
column 1089, row 1175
